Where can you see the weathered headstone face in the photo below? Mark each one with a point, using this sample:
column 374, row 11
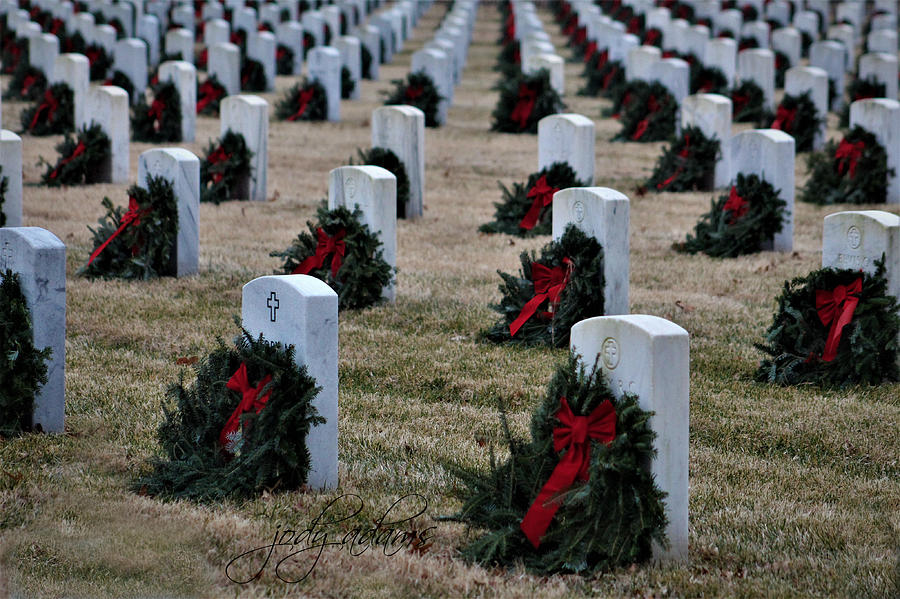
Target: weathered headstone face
column 290, row 34
column 448, row 48
column 184, row 76
column 798, row 80
column 882, row 67
column 857, row 239
column 216, row 31
column 11, row 161
column 438, row 66
column 261, row 47
column 42, row 52
column 603, row 214
column 224, row 61
column 148, row 30
column 675, row 75
column 374, row 190
column 830, row 56
column 640, row 61
column 721, row 53
column 712, row 114
column 302, row 311
column 249, row 116
column 649, row 357
column 884, row 22
column 39, row 257
column 182, row 169
column 130, row 57
column 758, row 65
column 881, row 117
column 75, row 71
column 883, row 40
column 107, row 105
column 567, row 138
column 789, row 41
column 324, row 64
column 769, row 154
column 180, row 42
column 401, row 129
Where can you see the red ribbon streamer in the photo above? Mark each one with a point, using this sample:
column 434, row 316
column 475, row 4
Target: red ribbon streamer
column 653, row 36
column 216, row 157
column 208, row 93
column 589, row 51
column 131, row 217
column 736, row 205
column 836, row 308
column 652, row 106
column 250, row 400
column 306, row 95
column 27, row 83
column 848, row 155
column 79, row 150
column 156, row 113
column 327, row 246
column 784, row 119
column 541, row 196
column 521, row 112
column 573, row 434
column 683, row 154
column 548, row 284
column 607, row 80
column 47, row 108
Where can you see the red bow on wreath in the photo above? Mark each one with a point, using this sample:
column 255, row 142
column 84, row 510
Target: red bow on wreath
column 510, row 31
column 608, row 78
column 740, row 102
column 208, row 93
column 216, row 157
column 78, row 151
column 573, row 434
column 131, row 217
column 156, row 113
column 736, row 205
column 305, row 97
column 602, row 59
column 521, row 112
column 590, row 50
column 93, row 53
column 683, row 154
column 652, row 37
column 652, row 107
column 27, row 83
column 541, row 196
column 548, row 285
column 784, row 118
column 634, row 25
column 327, row 246
column 847, row 156
column 836, row 308
column 250, row 400
column 580, row 36
column 46, row 110
column 413, row 93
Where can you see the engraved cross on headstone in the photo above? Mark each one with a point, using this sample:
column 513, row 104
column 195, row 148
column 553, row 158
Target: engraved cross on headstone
column 272, row 303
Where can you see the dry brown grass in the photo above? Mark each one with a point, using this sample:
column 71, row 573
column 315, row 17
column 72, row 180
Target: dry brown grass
column 794, row 492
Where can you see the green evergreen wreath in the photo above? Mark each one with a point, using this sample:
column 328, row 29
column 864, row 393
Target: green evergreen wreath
column 797, row 116
column 748, row 103
column 525, row 100
column 269, row 450
column 253, row 76
column 137, row 242
column 860, row 89
column 120, row 79
column 650, row 116
column 796, row 340
column 732, row 228
column 708, row 80
column 284, row 60
column 416, row 90
column 4, row 187
column 607, row 79
column 27, row 83
column 161, row 120
column 687, row 164
column 516, row 203
column 23, row 369
column 782, row 64
column 608, row 521
column 209, row 94
column 52, row 114
column 15, row 53
column 386, row 159
column 852, row 171
column 82, row 158
column 581, row 297
column 309, row 42
column 225, row 169
column 347, row 83
column 509, row 61
column 99, row 60
column 362, row 272
column 306, row 101
column 366, row 58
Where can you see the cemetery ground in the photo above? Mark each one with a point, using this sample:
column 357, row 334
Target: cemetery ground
column 793, row 491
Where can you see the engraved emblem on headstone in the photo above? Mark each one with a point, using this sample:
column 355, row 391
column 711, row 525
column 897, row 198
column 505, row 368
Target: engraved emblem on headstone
column 350, row 187
column 272, row 303
column 854, row 237
column 6, row 255
column 578, row 210
column 609, row 351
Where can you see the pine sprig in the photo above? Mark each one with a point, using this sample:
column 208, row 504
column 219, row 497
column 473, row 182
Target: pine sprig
column 830, row 183
column 547, row 102
column 386, row 159
column 76, row 167
column 416, row 90
column 687, row 164
column 148, row 125
column 52, row 113
column 225, row 169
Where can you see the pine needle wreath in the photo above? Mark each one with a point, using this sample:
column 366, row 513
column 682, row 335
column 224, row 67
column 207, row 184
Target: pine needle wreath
column 253, row 76
column 387, row 160
column 852, row 171
column 687, row 164
column 366, row 58
column 748, row 103
column 99, row 60
column 23, row 368
column 161, row 120
column 796, row 341
column 525, row 100
column 782, row 64
column 269, row 449
column 860, row 89
column 284, row 60
column 604, row 77
column 362, row 272
column 417, row 90
column 4, row 187
column 82, row 158
column 516, row 203
column 309, row 42
column 581, row 258
column 209, row 94
column 137, row 242
column 708, row 80
column 608, row 521
column 650, row 116
column 54, row 113
column 225, row 169
column 509, row 61
column 15, row 53
column 120, row 79
column 797, row 116
column 739, row 222
column 28, row 83
column 347, row 83
column 306, row 101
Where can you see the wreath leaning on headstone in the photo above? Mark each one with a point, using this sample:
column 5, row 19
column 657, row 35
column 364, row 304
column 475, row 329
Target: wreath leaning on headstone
column 253, row 75
column 860, row 89
column 833, row 327
column 739, row 222
column 284, row 60
column 225, row 168
column 340, row 250
column 748, row 103
column 82, row 158
column 852, row 171
column 161, row 120
column 551, row 293
column 4, row 187
column 595, row 508
column 417, row 90
column 525, row 100
column 347, row 83
column 137, row 242
column 387, row 160
column 54, row 113
column 209, row 94
column 509, row 61
column 120, row 79
column 526, row 210
column 708, row 80
column 650, row 115
column 23, row 369
column 305, row 101
column 100, row 62
column 28, row 83
column 797, row 116
column 687, row 164
column 239, row 429
column 366, row 60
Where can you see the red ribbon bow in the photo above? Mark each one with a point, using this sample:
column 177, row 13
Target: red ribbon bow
column 156, row 113
column 208, row 93
column 740, row 102
column 683, row 154
column 573, row 435
column 652, row 37
column 132, row 216
column 326, row 247
column 46, row 110
column 602, row 59
column 590, row 50
column 27, row 83
column 216, row 157
column 521, row 112
column 784, row 118
column 305, row 97
column 580, row 36
column 541, row 196
column 644, row 124
column 634, row 25
column 548, row 285
column 79, row 150
column 836, row 308
column 848, row 155
column 413, row 93
column 736, row 205
column 608, row 78
column 250, row 400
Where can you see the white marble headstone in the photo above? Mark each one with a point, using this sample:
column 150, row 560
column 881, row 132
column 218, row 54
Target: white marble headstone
column 351, row 58
column 829, row 56
column 261, row 47
column 883, row 40
column 290, row 34
column 224, row 61
column 180, row 42
column 567, row 138
column 721, row 53
column 439, row 68
column 758, row 65
column 881, row 117
column 148, row 30
column 789, row 42
column 711, row 113
column 401, row 129
column 798, row 80
column 42, row 52
column 75, row 71
column 639, row 63
column 324, row 64
column 130, row 57
column 249, row 116
column 883, row 67
column 370, row 37
column 107, row 105
column 184, row 76
column 11, row 161
column 216, row 31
